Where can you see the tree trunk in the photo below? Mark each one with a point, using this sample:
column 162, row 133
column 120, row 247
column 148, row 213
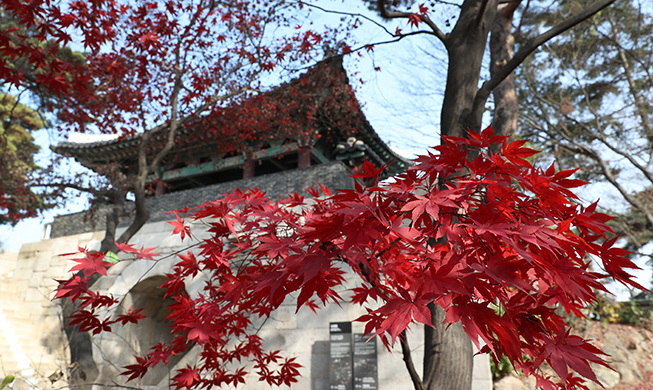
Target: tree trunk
column 82, row 370
column 465, row 47
column 448, row 352
column 248, row 167
column 502, row 43
column 448, row 355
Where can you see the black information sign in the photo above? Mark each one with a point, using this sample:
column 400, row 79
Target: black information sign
column 340, row 376
column 365, row 363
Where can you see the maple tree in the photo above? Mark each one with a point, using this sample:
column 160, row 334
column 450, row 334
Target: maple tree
column 151, row 68
column 498, row 244
column 461, row 29
column 148, row 70
column 22, row 117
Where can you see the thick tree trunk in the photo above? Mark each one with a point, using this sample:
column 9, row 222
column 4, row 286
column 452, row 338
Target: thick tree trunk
column 448, row 355
column 448, row 352
column 82, row 370
column 502, row 43
column 465, row 47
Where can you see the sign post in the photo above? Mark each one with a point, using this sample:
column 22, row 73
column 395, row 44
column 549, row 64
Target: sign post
column 340, row 375
column 365, row 363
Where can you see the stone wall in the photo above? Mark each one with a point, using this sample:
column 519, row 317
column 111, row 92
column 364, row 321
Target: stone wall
column 34, row 347
column 32, row 342
column 277, row 185
column 36, row 323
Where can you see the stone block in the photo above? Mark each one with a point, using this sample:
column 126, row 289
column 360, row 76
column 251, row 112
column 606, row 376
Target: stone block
column 52, row 309
column 42, row 262
column 59, row 271
column 605, row 375
column 35, row 295
column 612, row 338
column 331, row 313
column 482, row 372
column 85, row 237
column 616, row 354
column 283, row 318
column 51, row 324
column 156, row 228
column 627, row 372
column 23, row 273
column 36, row 279
column 291, row 341
column 391, row 367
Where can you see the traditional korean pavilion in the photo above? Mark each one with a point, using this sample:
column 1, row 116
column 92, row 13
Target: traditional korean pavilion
column 320, row 102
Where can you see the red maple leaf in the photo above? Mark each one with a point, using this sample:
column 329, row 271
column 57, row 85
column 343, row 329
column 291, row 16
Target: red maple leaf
column 181, row 227
column 414, row 20
column 92, row 263
column 126, row 248
column 72, row 287
column 137, row 370
column 186, row 377
column 132, row 316
column 146, row 253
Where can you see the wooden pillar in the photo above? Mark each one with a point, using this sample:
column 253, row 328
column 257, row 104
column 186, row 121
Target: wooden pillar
column 248, row 166
column 304, row 157
column 160, row 188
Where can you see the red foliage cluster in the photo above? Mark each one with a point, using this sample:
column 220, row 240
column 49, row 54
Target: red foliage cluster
column 318, row 101
column 497, row 243
column 140, row 56
column 17, row 202
column 151, row 67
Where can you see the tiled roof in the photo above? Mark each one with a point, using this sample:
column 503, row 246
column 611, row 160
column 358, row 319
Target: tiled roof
column 92, row 153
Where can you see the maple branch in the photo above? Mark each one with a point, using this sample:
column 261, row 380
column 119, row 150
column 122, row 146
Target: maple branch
column 408, row 360
column 392, row 245
column 478, row 107
column 405, row 15
column 397, row 39
column 328, row 11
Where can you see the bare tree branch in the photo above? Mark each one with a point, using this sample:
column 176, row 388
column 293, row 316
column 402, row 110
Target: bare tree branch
column 405, row 15
column 408, row 359
column 530, row 46
column 328, row 11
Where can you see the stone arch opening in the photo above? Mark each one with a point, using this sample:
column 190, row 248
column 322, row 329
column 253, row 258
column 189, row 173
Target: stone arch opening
column 152, row 329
